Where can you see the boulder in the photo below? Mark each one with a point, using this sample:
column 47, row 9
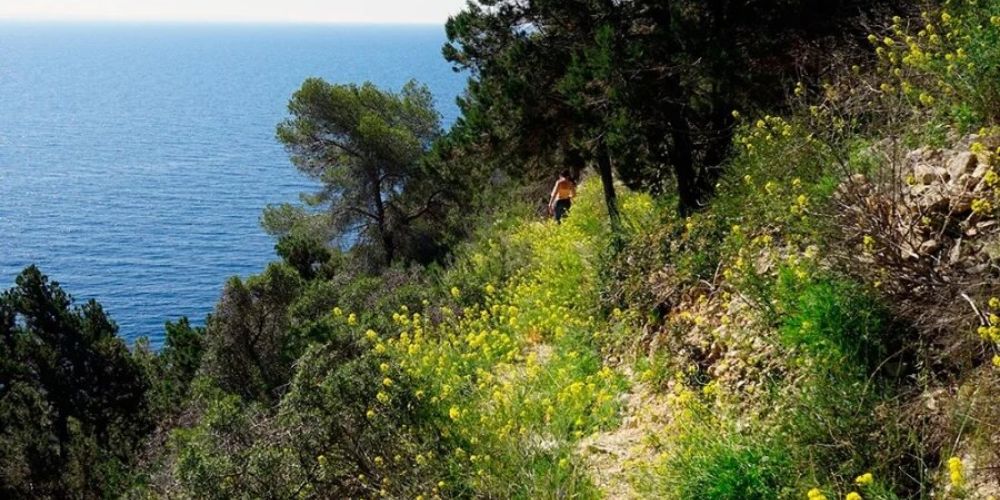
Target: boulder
column 932, row 199
column 961, row 204
column 962, row 163
column 980, row 171
column 925, row 173
column 964, row 182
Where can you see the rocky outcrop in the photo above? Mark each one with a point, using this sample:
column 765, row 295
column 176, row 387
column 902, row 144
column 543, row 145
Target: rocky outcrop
column 924, row 208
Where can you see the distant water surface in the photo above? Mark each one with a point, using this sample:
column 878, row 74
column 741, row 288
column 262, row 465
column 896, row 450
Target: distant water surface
column 135, row 159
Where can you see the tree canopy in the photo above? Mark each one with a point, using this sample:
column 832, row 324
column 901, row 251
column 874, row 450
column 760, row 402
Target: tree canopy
column 366, row 146
column 647, row 88
column 73, row 400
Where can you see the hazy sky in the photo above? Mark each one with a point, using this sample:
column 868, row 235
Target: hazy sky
column 279, row 11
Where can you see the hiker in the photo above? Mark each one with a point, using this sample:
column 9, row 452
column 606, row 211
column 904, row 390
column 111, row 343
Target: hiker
column 562, row 196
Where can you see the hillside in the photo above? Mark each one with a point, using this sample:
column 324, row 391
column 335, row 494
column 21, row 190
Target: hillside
column 814, row 315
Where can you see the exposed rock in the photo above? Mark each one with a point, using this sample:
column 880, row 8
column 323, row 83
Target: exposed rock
column 929, row 247
column 962, row 163
column 992, row 249
column 980, row 171
column 932, row 199
column 961, row 204
column 929, row 174
column 956, row 252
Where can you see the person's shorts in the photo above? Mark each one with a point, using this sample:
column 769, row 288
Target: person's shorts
column 562, row 209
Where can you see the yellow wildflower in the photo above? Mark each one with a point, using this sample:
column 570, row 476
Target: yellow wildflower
column 991, row 178
column 981, row 206
column 865, row 479
column 853, row 496
column 816, row 494
column 868, row 243
column 955, row 472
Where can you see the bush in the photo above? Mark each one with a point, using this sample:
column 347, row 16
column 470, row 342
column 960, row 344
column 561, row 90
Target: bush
column 248, row 334
column 948, row 62
column 705, row 457
column 307, row 254
column 835, row 320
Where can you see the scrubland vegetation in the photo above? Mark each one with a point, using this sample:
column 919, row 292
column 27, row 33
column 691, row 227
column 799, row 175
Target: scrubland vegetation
column 820, row 319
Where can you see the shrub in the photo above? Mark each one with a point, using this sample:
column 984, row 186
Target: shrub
column 835, row 320
column 948, row 61
column 247, row 334
column 706, row 458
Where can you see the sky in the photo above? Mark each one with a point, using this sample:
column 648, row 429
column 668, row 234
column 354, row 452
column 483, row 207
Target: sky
column 274, row 11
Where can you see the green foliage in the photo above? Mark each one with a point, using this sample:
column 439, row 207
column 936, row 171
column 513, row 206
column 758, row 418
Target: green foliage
column 324, row 438
column 706, row 457
column 947, row 62
column 73, row 403
column 835, row 320
column 650, row 84
column 307, row 254
column 511, row 376
column 172, row 370
column 247, row 334
column 365, row 146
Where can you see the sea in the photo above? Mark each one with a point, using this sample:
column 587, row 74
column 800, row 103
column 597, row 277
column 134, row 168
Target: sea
column 135, row 159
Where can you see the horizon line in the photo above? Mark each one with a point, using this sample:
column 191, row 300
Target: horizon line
column 207, row 22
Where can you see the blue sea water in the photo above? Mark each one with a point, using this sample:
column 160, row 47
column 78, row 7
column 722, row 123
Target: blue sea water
column 135, row 159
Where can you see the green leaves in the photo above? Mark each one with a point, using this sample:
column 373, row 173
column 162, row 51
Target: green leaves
column 248, row 332
column 365, row 146
column 73, row 400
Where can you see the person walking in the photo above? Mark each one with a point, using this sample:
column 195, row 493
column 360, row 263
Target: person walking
column 562, row 196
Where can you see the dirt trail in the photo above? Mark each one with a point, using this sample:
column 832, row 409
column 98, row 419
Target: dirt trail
column 608, row 455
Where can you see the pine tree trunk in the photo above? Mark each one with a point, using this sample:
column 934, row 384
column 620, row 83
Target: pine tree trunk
column 682, row 159
column 604, row 167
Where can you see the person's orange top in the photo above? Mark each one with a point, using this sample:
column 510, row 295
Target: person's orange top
column 565, row 189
